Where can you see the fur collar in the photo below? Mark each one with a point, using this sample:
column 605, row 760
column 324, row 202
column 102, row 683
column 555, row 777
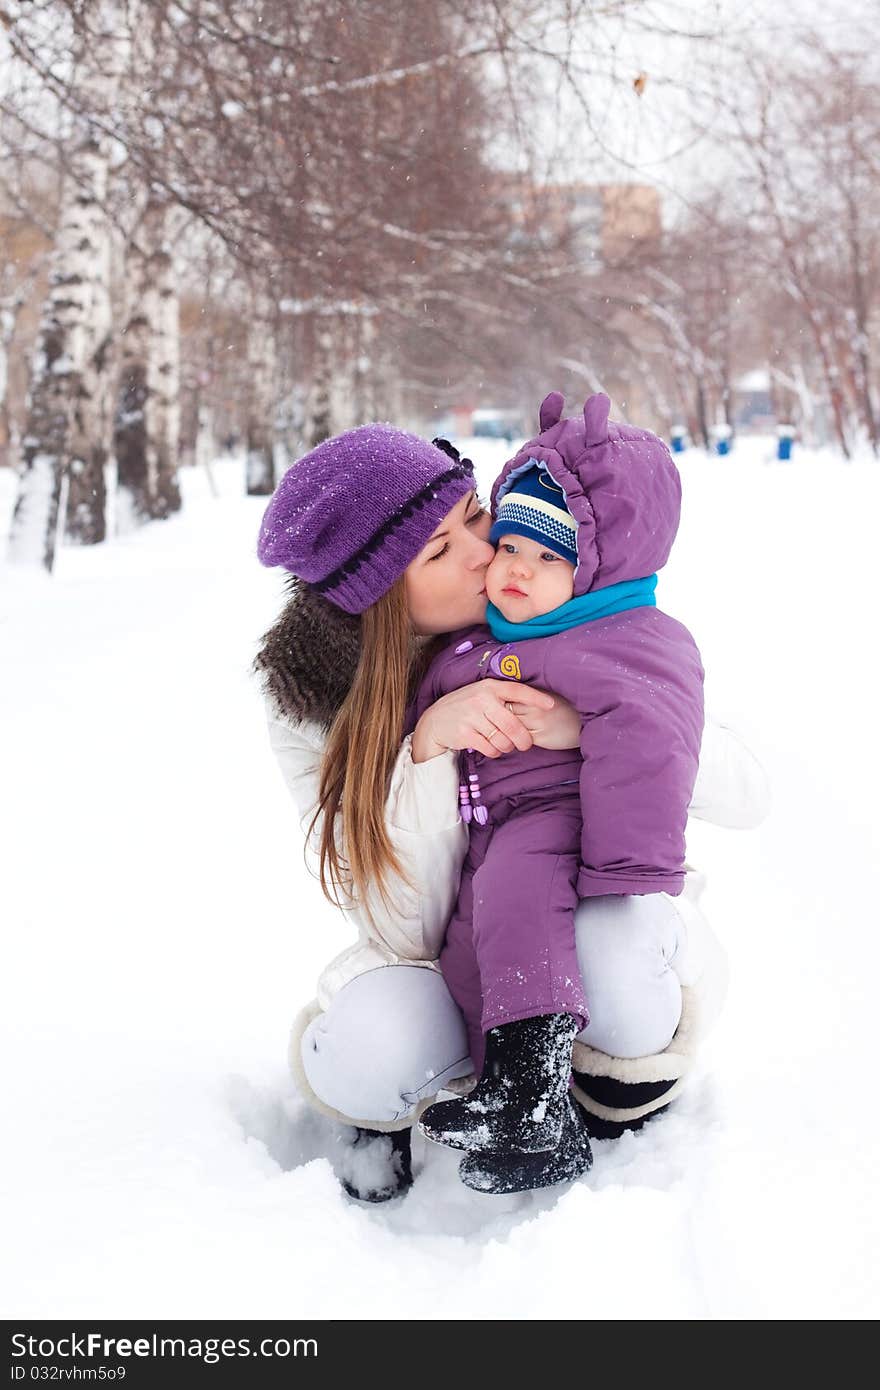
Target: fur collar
column 307, row 660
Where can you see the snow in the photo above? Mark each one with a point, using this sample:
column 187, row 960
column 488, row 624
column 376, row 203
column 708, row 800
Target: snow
column 35, row 507
column 756, row 380
column 162, row 932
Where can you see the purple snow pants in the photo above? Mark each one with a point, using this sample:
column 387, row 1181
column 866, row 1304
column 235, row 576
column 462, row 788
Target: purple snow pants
column 509, row 951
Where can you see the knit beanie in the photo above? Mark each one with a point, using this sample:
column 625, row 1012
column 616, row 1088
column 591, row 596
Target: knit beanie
column 352, row 513
column 535, row 506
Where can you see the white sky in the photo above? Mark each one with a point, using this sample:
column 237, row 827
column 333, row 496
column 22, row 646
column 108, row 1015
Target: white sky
column 687, row 51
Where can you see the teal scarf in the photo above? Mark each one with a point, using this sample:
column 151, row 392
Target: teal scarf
column 633, row 593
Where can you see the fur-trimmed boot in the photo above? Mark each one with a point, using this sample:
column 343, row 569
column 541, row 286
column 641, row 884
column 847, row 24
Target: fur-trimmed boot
column 597, row 1128
column 520, row 1101
column 498, row 1173
column 377, row 1165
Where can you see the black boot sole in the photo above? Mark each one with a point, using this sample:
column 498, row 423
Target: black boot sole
column 475, row 1140
column 381, row 1194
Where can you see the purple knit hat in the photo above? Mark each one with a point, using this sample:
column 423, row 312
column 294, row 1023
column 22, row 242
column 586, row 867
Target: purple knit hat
column 352, row 513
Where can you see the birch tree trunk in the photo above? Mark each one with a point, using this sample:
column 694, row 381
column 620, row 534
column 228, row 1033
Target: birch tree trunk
column 134, row 459
column 262, row 399
column 86, row 513
column 165, row 364
column 364, row 387
column 8, row 312
column 66, row 436
column 55, row 437
column 147, row 426
column 340, row 394
column 319, row 421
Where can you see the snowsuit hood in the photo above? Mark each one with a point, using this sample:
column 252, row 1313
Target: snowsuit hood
column 620, row 484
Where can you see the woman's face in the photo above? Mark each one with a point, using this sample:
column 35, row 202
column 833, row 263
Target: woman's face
column 445, row 583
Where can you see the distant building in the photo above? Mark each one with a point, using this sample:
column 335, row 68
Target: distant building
column 597, row 224
column 585, row 229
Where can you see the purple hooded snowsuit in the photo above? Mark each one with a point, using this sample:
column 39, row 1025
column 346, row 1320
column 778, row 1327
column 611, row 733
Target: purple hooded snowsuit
column 610, row 816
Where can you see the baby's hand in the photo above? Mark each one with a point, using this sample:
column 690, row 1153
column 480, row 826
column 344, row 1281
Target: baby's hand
column 559, row 727
column 479, row 716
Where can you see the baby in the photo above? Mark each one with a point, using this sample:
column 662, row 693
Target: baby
column 585, row 515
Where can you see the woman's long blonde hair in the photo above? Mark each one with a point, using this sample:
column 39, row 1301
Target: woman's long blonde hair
column 359, row 755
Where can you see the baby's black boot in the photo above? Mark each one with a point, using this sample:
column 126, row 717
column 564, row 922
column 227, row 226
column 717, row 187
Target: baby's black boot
column 500, row 1173
column 521, row 1099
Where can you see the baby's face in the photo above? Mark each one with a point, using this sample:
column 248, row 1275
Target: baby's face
column 525, row 579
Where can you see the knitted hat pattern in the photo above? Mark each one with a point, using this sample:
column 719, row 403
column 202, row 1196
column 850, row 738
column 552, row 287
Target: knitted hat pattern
column 350, row 515
column 535, row 507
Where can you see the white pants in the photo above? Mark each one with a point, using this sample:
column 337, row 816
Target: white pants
column 394, row 1036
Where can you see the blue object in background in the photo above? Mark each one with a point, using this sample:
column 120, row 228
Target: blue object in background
column 678, row 439
column 786, row 440
column 722, row 435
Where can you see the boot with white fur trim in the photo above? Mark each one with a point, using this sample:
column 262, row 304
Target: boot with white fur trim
column 521, row 1099
column 620, row 1093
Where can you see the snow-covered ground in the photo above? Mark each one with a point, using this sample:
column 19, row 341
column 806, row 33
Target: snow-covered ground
column 161, row 931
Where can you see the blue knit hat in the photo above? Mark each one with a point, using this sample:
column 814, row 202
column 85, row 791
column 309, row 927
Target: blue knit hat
column 535, row 507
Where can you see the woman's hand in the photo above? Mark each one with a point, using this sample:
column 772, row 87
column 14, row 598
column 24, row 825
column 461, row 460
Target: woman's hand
column 477, row 717
column 559, row 727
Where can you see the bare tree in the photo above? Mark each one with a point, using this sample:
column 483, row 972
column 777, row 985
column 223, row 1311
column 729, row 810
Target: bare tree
column 800, row 168
column 146, row 433
column 66, row 439
column 263, row 395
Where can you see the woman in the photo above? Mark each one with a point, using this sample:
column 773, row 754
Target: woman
column 389, row 545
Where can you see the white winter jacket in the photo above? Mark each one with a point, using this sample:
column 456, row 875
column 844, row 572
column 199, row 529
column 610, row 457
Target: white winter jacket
column 431, row 840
